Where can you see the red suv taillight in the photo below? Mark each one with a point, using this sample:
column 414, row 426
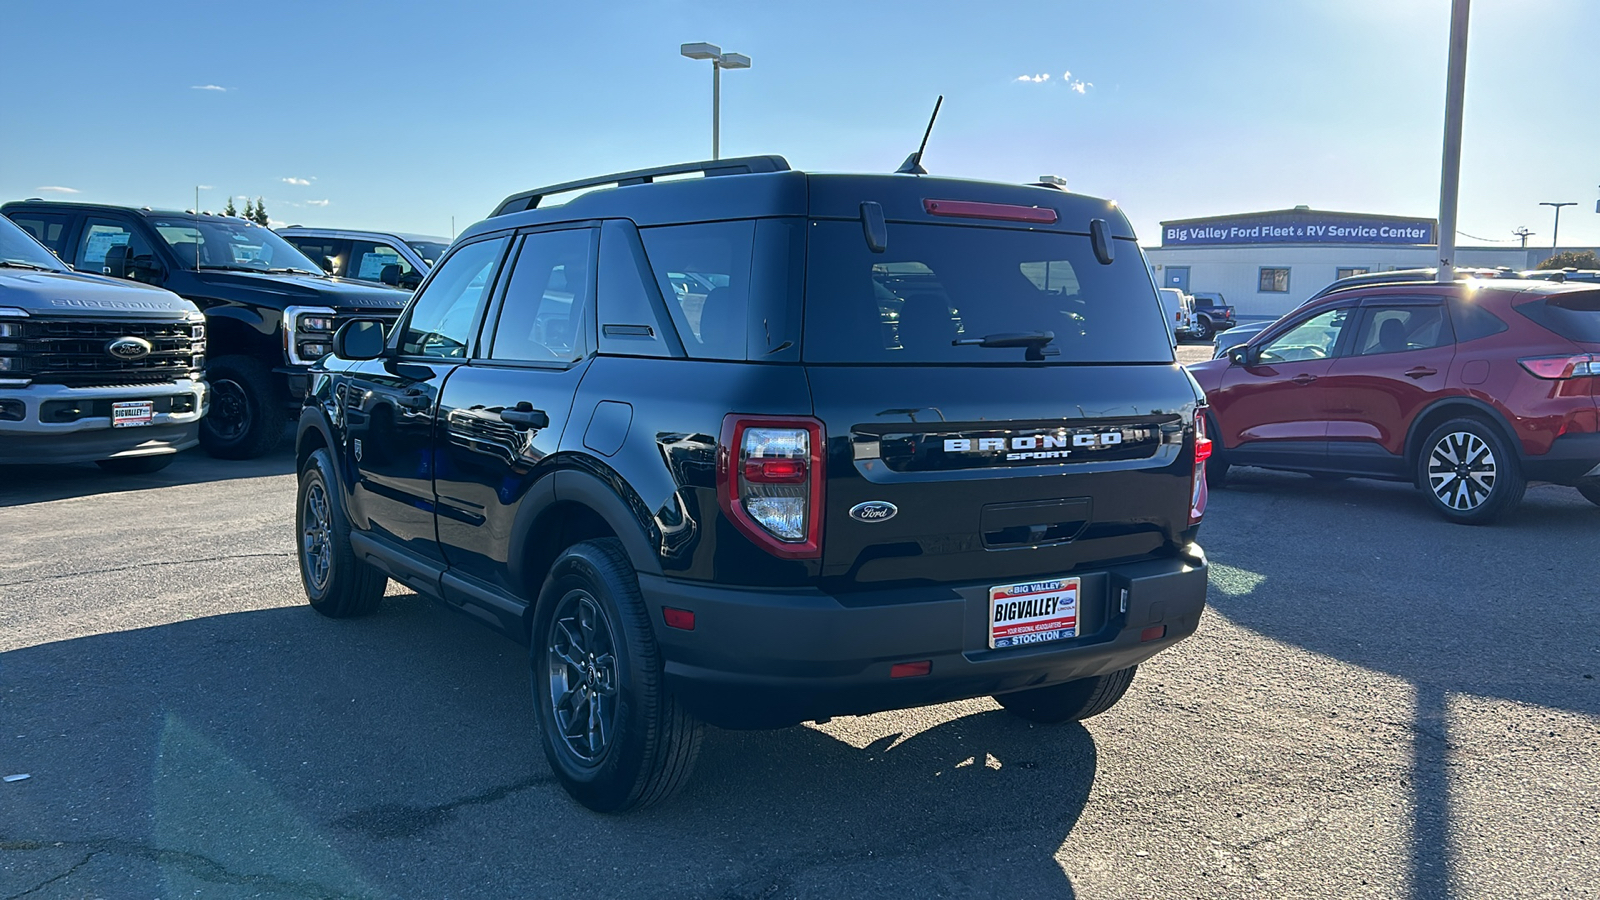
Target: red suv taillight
column 770, row 479
column 1199, row 492
column 1558, row 368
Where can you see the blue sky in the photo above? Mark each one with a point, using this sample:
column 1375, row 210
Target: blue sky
column 402, row 115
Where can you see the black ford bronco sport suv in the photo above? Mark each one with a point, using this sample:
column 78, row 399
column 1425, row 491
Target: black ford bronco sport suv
column 270, row 311
column 764, row 447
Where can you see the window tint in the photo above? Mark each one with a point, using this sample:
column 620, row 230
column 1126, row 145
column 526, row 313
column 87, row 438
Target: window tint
column 1315, row 338
column 317, row 249
column 1401, row 328
column 1472, row 321
column 704, row 274
column 627, row 297
column 48, row 229
column 936, row 284
column 99, row 236
column 547, row 301
column 1574, row 316
column 1274, row 281
column 369, row 259
column 440, row 322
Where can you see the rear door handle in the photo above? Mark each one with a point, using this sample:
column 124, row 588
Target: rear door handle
column 1421, row 372
column 523, row 415
column 415, row 399
column 1303, row 378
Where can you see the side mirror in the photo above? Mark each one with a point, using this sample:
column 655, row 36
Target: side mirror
column 119, row 261
column 330, row 265
column 1244, row 356
column 360, row 339
column 411, row 280
column 390, row 275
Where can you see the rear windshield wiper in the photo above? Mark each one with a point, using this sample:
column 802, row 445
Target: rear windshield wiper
column 1035, row 341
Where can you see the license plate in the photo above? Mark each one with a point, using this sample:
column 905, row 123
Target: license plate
column 129, row 413
column 1033, row 612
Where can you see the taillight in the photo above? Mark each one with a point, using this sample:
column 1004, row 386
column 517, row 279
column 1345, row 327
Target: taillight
column 1556, row 368
column 770, row 480
column 1198, row 491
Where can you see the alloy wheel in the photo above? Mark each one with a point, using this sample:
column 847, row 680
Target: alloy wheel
column 229, row 415
column 582, row 662
column 1461, row 470
column 316, row 537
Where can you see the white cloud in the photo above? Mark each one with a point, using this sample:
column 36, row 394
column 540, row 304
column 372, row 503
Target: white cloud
column 317, row 202
column 57, row 189
column 1081, row 86
column 1066, row 76
column 208, row 87
column 1034, row 78
column 302, row 182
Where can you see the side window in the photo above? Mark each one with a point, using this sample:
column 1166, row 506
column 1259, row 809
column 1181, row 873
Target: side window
column 369, row 259
column 100, row 235
column 627, row 297
column 1315, row 338
column 1400, row 328
column 1347, row 271
column 704, row 273
column 547, row 300
column 1473, row 321
column 441, row 317
column 320, row 248
column 1274, row 281
column 48, row 228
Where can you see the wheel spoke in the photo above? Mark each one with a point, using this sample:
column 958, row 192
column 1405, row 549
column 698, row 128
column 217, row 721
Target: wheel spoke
column 606, row 672
column 581, row 673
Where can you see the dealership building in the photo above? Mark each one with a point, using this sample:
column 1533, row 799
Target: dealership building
column 1266, row 263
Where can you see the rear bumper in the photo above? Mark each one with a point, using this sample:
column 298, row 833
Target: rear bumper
column 1570, row 458
column 91, row 437
column 763, row 659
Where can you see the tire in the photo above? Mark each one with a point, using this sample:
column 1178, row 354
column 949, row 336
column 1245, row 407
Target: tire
column 1202, row 329
column 247, row 411
column 136, row 465
column 615, row 736
column 337, row 584
column 1590, row 490
column 1070, row 701
column 1469, row 472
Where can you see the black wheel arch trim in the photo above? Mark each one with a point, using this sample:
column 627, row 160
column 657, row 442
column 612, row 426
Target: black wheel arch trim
column 579, row 480
column 1415, row 436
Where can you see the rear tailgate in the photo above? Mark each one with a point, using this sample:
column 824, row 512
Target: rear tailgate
column 1001, row 473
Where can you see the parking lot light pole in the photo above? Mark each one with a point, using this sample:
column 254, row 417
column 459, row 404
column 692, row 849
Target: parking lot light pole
column 1555, row 234
column 1450, row 171
column 719, row 61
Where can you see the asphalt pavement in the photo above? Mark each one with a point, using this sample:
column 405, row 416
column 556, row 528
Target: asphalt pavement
column 1377, row 704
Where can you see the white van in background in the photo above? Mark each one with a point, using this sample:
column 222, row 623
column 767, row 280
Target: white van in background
column 1180, row 312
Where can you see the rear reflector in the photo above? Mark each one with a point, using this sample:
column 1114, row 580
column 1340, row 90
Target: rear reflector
column 970, row 209
column 1152, row 633
column 1555, row 368
column 678, row 618
column 911, row 670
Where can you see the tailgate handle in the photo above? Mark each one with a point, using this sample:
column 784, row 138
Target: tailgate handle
column 1038, row 522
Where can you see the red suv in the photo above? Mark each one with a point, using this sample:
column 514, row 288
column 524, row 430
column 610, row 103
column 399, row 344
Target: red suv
column 1468, row 390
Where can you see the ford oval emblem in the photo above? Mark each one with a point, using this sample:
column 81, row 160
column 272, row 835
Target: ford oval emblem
column 874, row 511
column 128, row 349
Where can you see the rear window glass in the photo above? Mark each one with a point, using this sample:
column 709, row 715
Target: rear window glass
column 936, row 284
column 1473, row 321
column 1574, row 316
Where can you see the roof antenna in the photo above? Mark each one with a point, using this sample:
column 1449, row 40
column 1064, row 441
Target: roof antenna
column 913, row 163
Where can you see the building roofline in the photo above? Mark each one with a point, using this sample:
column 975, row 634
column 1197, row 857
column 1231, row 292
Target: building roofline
column 1317, row 212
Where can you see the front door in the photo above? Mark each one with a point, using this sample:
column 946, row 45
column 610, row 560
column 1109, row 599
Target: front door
column 391, row 403
column 1176, row 277
column 502, row 416
column 1398, row 363
column 1274, row 412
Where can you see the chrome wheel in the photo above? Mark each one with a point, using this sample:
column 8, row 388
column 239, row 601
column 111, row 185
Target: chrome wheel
column 316, row 538
column 582, row 665
column 1461, row 470
column 229, row 415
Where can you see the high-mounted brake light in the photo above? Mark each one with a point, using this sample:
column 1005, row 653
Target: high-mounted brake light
column 971, row 209
column 770, row 482
column 1199, row 492
column 1555, row 368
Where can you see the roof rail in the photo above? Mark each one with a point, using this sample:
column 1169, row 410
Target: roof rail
column 744, row 165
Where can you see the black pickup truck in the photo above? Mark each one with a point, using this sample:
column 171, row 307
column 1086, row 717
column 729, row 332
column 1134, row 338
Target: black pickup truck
column 270, row 311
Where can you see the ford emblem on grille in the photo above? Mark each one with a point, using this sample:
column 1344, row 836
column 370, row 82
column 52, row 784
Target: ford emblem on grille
column 128, row 349
column 873, row 511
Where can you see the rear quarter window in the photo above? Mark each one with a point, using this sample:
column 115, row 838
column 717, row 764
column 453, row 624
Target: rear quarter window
column 936, row 284
column 1575, row 316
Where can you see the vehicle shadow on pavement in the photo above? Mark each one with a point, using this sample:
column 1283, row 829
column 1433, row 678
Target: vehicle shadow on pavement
column 276, row 753
column 21, row 485
column 1364, row 572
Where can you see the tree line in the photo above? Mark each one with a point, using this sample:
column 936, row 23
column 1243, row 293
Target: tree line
column 256, row 213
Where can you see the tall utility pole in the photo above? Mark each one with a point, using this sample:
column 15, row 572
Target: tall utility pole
column 1450, row 171
column 1555, row 235
column 1523, row 232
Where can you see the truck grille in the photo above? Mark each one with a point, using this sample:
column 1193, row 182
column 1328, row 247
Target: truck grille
column 74, row 352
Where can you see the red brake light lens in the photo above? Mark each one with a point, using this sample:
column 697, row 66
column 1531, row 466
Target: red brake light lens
column 770, row 482
column 1199, row 492
column 1555, row 368
column 971, row 209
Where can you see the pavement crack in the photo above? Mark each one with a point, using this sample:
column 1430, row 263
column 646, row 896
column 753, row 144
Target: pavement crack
column 195, row 865
column 145, row 565
column 394, row 820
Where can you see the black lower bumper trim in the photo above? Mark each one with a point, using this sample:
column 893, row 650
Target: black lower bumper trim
column 1571, row 457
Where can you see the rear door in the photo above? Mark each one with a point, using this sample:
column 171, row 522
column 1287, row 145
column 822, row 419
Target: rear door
column 950, row 461
column 1275, row 412
column 1398, row 363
